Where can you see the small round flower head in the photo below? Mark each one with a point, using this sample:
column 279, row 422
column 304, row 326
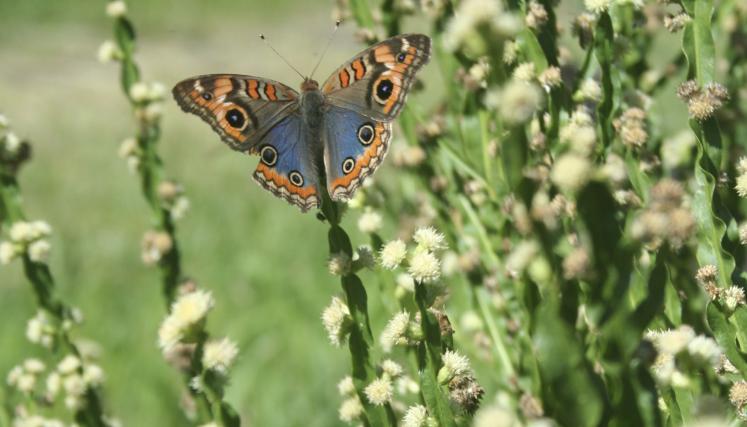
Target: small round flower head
column 732, row 297
column 336, row 318
column 39, row 250
column 666, row 195
column 370, row 222
column 379, row 391
column 675, row 23
column 12, row 143
column 717, row 91
column 424, row 267
column 170, row 333
column 589, row 91
column 525, row 72
column 738, row 394
column 530, row 406
column 128, row 148
column 551, row 77
column 583, row 28
column 219, row 355
column 8, row 252
column 154, row 245
column 406, row 282
column 537, row 15
column 139, row 91
column 687, row 90
column 704, row 349
column 93, row 375
column 179, row 208
column 108, row 51
column 681, row 227
column 351, row 409
column 74, row 384
column 53, row 385
column 597, row 6
column 706, row 274
column 395, row 332
column 675, row 340
column 116, row 8
column 582, row 139
column 741, row 186
column 632, row 128
column 516, row 102
column 614, row 169
column 392, row 254
column 191, row 308
column 339, row 264
column 25, row 232
column 406, row 385
column 34, row 366
column 13, row 376
column 520, row 257
column 346, row 387
column 26, row 383
column 455, row 365
column 510, row 52
column 391, row 368
column 416, row 416
column 68, row 365
column 429, row 239
column 576, row 264
column 571, row 172
column 363, row 258
column 40, row 330
column 702, row 106
column 479, row 71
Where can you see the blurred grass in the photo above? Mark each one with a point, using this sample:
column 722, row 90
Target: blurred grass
column 260, row 257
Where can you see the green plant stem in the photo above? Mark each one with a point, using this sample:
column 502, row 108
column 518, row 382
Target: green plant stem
column 42, row 282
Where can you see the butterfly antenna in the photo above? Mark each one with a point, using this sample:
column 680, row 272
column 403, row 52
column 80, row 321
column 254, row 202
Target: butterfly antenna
column 264, row 39
column 329, row 42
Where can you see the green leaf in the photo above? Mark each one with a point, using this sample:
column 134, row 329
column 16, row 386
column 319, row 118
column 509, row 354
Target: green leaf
column 725, row 334
column 437, row 404
column 572, row 395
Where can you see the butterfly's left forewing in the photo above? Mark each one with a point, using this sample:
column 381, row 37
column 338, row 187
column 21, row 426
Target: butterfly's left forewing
column 241, row 109
column 375, row 82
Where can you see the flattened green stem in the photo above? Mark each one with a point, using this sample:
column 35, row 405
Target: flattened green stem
column 361, row 340
column 91, row 414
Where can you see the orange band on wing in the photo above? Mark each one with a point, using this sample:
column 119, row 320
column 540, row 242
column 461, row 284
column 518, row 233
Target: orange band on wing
column 372, row 153
column 270, row 92
column 344, row 78
column 281, row 181
column 360, row 68
column 251, row 89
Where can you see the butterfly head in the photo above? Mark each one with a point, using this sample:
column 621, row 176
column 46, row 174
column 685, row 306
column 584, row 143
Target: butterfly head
column 309, row 85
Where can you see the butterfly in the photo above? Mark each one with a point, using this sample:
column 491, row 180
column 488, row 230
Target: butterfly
column 322, row 139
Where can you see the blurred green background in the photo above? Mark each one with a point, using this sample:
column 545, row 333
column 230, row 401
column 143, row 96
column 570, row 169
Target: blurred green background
column 264, row 261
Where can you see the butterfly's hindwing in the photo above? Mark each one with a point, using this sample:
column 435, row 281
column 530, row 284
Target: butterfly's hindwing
column 285, row 164
column 241, row 109
column 375, row 83
column 354, row 146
